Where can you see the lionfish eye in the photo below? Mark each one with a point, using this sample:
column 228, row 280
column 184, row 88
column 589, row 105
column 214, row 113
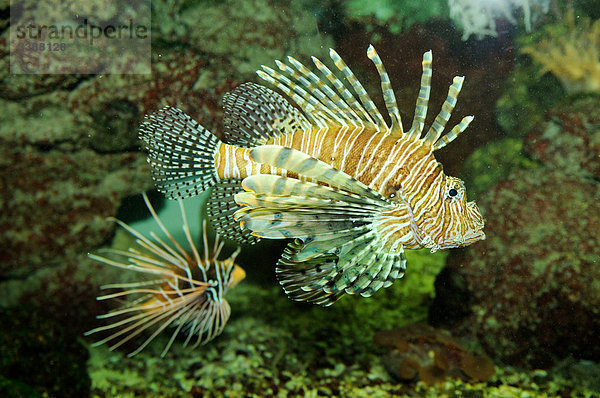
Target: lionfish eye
column 452, row 192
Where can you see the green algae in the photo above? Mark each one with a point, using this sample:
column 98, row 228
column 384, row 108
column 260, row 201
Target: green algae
column 346, row 328
column 395, row 16
column 492, row 163
column 256, row 360
column 525, row 99
column 275, row 347
column 272, row 342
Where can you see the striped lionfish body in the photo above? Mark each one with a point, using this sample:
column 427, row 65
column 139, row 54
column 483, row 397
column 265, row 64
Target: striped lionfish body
column 351, row 191
column 186, row 291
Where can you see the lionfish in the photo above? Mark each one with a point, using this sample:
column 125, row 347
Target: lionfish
column 187, row 290
column 350, row 190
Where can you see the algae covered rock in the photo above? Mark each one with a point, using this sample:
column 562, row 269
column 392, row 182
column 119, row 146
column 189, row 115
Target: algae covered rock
column 569, row 139
column 493, row 162
column 238, row 36
column 40, row 357
column 532, row 288
column 58, row 203
column 523, row 101
column 431, row 355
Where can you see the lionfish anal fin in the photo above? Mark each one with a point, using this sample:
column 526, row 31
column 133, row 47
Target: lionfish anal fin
column 220, row 208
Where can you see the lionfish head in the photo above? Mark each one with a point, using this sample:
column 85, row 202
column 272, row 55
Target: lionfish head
column 462, row 222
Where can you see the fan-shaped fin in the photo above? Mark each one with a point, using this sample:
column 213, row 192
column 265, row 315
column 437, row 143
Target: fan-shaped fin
column 220, row 208
column 180, row 153
column 340, row 234
column 253, row 114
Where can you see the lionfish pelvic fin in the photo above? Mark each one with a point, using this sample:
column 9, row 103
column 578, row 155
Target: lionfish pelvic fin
column 339, row 246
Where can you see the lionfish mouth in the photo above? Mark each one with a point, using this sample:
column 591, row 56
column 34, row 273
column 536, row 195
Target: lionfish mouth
column 473, row 236
column 465, row 239
column 475, row 233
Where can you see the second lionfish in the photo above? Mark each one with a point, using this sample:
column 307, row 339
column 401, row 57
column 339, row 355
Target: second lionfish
column 350, row 190
column 184, row 290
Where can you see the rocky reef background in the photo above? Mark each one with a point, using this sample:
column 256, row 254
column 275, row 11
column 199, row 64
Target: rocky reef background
column 520, row 310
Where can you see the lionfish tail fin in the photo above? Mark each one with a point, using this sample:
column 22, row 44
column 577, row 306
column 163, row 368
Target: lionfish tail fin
column 181, row 153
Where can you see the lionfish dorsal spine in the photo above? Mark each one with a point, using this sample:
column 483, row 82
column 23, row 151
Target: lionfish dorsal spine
column 312, row 102
column 388, row 93
column 423, row 98
column 347, row 101
column 314, row 96
column 456, row 130
column 372, row 111
column 325, row 94
column 287, row 87
column 437, row 128
column 325, row 106
column 320, row 91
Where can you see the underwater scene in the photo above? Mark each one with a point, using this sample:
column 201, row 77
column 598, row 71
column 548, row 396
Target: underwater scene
column 268, row 198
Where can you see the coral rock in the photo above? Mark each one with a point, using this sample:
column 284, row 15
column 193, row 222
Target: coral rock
column 422, row 352
column 57, row 204
column 570, row 139
column 532, row 286
column 570, row 52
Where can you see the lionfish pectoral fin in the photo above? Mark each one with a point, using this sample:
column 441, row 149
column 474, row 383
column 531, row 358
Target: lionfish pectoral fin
column 220, row 208
column 338, row 245
column 362, row 266
column 305, row 281
column 180, row 152
column 308, row 166
column 253, row 114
